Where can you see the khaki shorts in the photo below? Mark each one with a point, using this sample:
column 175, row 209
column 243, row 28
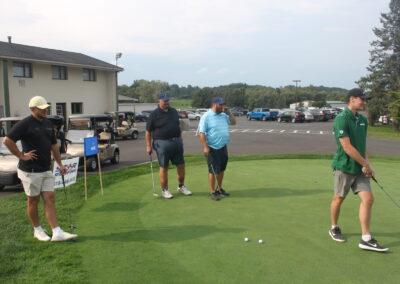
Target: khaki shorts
column 343, row 182
column 35, row 183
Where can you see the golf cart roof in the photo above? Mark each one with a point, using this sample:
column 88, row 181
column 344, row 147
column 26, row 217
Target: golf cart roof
column 122, row 112
column 57, row 120
column 11, row 118
column 91, row 116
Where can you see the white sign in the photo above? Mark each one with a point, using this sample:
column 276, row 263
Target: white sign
column 72, row 171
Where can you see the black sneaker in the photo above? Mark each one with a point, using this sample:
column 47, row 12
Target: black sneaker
column 214, row 196
column 372, row 245
column 336, row 235
column 221, row 191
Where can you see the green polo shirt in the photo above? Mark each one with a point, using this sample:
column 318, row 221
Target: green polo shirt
column 347, row 124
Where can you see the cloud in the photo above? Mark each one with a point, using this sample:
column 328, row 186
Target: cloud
column 202, row 70
column 222, row 70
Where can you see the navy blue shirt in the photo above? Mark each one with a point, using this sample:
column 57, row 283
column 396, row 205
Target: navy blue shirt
column 34, row 135
column 164, row 124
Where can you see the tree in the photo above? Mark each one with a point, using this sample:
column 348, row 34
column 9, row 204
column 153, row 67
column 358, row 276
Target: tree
column 384, row 68
column 203, row 98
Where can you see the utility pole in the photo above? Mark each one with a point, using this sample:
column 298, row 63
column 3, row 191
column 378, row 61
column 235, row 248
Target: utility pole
column 117, row 56
column 297, row 90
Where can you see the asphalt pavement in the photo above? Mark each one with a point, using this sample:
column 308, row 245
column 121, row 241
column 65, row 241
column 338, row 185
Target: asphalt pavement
column 254, row 137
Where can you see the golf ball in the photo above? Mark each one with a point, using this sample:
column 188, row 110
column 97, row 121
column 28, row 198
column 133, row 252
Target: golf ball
column 260, row 241
column 246, row 239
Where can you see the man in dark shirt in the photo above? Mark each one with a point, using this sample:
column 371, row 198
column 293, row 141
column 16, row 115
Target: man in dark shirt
column 163, row 127
column 38, row 142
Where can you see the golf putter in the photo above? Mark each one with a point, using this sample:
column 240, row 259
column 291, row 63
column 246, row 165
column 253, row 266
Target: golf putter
column 72, row 227
column 152, row 176
column 381, row 187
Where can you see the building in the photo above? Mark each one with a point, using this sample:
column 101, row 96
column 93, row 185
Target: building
column 73, row 83
column 301, row 104
column 337, row 104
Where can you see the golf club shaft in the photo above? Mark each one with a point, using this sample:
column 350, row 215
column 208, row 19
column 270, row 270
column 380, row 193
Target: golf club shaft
column 152, row 175
column 381, row 187
column 67, row 203
column 215, row 175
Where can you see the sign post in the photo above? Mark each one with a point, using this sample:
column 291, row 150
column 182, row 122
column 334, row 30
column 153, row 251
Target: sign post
column 91, row 148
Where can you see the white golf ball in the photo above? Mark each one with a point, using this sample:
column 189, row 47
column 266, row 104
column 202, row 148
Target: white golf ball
column 246, row 239
column 260, row 241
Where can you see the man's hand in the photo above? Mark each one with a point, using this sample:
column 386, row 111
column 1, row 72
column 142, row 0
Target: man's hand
column 367, row 170
column 206, row 150
column 149, row 150
column 63, row 170
column 29, row 156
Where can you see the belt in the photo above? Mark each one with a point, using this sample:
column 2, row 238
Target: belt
column 34, row 170
column 171, row 139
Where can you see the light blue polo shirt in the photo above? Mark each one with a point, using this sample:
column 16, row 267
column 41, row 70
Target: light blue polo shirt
column 216, row 128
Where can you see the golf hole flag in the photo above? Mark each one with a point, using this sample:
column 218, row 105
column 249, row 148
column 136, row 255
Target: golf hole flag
column 71, row 165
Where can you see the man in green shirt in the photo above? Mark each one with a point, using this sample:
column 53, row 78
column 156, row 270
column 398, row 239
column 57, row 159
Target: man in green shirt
column 352, row 168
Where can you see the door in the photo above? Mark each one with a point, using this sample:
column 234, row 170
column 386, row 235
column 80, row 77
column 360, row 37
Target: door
column 61, row 109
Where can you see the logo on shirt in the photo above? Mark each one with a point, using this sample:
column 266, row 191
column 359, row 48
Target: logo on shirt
column 341, row 131
column 362, row 124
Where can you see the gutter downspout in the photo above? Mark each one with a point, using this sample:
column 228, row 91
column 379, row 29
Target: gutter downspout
column 6, row 88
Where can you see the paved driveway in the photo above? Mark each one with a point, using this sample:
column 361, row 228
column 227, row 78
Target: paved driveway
column 257, row 137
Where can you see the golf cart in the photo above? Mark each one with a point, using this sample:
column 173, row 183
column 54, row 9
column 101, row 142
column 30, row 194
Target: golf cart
column 124, row 125
column 92, row 125
column 9, row 162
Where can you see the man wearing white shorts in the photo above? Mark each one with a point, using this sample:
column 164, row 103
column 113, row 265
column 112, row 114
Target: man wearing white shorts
column 38, row 143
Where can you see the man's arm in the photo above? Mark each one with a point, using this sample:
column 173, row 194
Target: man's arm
column 354, row 154
column 12, row 146
column 57, row 157
column 203, row 140
column 231, row 116
column 148, row 142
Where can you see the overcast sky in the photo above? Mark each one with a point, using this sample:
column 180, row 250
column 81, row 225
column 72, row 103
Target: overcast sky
column 207, row 43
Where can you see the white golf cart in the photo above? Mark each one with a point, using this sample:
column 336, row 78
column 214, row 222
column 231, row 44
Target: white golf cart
column 124, row 125
column 90, row 125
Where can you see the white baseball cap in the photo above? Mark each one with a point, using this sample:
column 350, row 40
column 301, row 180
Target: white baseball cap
column 38, row 102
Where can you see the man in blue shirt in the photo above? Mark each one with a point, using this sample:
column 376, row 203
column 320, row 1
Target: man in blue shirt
column 214, row 136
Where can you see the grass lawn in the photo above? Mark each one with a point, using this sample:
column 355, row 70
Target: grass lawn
column 130, row 236
column 181, row 103
column 384, row 132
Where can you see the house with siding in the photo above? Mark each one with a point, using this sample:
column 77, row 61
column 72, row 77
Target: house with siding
column 73, row 83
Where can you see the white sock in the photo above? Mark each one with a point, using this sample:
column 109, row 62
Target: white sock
column 37, row 229
column 333, row 227
column 366, row 238
column 57, row 230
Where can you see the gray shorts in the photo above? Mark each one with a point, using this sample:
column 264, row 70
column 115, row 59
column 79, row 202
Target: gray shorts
column 35, row 183
column 343, row 182
column 169, row 150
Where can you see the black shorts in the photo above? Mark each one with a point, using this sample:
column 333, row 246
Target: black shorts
column 217, row 160
column 169, row 150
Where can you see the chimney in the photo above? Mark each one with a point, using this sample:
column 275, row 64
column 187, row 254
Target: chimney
column 9, row 39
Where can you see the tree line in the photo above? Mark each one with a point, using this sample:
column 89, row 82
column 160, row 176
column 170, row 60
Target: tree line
column 235, row 95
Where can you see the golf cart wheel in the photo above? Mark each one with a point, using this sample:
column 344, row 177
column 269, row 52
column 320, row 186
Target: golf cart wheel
column 92, row 164
column 264, row 118
column 115, row 159
column 135, row 135
column 197, row 117
column 248, row 117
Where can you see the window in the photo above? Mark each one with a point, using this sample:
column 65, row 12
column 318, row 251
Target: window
column 76, row 108
column 89, row 75
column 59, row 72
column 22, row 69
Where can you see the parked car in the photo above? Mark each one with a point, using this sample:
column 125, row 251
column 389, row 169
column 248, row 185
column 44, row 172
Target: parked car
column 194, row 115
column 320, row 115
column 291, row 116
column 182, row 113
column 308, row 116
column 90, row 125
column 9, row 162
column 262, row 114
column 124, row 125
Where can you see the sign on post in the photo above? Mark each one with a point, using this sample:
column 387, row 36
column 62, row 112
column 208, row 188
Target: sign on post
column 91, row 146
column 71, row 165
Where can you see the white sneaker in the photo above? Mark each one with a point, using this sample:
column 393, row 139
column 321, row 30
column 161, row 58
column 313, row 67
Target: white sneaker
column 183, row 189
column 41, row 236
column 63, row 236
column 167, row 194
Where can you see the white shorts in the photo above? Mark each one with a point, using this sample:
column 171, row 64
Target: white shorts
column 35, row 183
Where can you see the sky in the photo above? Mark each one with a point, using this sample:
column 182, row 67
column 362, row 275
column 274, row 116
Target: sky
column 208, row 43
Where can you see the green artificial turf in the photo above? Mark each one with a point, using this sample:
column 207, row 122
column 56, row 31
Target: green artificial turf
column 383, row 132
column 130, row 236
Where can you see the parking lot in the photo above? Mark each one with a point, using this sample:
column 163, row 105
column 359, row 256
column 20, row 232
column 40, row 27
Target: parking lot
column 256, row 137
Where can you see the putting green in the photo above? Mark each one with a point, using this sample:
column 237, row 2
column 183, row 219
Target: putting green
column 129, row 236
